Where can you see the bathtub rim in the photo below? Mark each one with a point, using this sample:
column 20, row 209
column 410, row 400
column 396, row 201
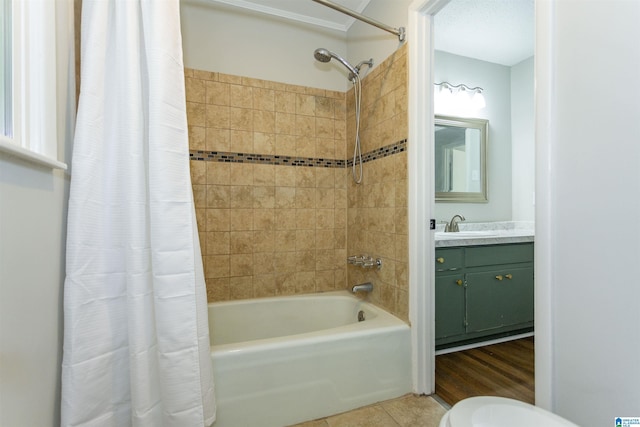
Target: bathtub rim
column 383, row 322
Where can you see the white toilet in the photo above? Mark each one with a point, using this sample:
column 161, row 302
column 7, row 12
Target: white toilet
column 488, row 411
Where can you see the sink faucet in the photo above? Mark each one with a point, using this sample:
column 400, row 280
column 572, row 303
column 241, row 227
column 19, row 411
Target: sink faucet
column 366, row 287
column 452, row 227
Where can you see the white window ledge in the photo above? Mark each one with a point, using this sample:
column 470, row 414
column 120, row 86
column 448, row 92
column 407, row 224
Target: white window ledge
column 31, row 156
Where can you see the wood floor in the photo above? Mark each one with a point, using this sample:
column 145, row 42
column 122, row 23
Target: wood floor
column 505, row 370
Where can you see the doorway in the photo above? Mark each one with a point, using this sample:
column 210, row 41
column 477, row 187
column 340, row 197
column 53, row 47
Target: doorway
column 421, row 21
column 490, row 45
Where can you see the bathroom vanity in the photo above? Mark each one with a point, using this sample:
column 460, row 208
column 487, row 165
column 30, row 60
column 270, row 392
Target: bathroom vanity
column 483, row 286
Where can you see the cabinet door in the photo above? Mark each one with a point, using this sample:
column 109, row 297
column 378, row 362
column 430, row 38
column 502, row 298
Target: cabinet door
column 518, row 295
column 449, row 305
column 499, row 298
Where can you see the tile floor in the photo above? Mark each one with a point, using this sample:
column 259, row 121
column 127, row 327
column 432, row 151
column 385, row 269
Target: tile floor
column 405, row 411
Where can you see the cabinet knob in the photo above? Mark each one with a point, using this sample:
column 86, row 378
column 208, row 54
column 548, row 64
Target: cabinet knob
column 499, row 277
column 459, row 282
column 509, row 276
column 440, row 260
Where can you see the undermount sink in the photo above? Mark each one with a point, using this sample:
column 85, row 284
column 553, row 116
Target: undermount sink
column 465, row 234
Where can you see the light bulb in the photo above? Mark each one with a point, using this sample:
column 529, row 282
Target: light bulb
column 444, row 99
column 478, row 101
column 462, row 97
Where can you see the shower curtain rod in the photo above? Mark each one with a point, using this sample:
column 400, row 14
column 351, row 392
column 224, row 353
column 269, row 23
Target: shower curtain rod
column 400, row 32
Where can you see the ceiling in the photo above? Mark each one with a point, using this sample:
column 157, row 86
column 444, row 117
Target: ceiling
column 304, row 10
column 498, row 31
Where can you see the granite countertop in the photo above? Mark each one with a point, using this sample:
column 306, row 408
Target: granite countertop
column 486, row 233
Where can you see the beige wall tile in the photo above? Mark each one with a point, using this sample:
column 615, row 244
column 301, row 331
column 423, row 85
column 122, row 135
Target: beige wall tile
column 263, row 99
column 263, row 263
column 305, row 177
column 217, row 173
column 264, row 197
column 241, row 173
column 264, row 121
column 197, row 138
column 217, row 220
column 264, row 241
column 305, row 219
column 238, row 196
column 285, row 123
column 285, row 145
column 305, row 240
column 285, row 102
column 264, row 143
column 240, row 265
column 286, row 283
column 306, row 260
column 217, row 116
column 218, row 139
column 205, row 75
column 305, row 282
column 241, row 96
column 324, row 107
column 241, row 141
column 305, row 198
column 217, row 243
column 264, row 285
column 241, row 242
column 241, row 118
column 217, row 289
column 217, row 196
column 198, row 172
column 264, row 175
column 305, row 104
column 240, row 287
column 217, row 93
column 196, row 114
column 216, row 266
column 264, row 219
column 285, row 219
column 285, row 243
column 240, row 219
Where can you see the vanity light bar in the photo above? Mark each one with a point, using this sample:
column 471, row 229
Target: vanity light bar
column 467, row 99
column 451, row 87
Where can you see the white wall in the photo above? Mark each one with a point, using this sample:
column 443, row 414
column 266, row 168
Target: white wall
column 523, row 141
column 366, row 41
column 495, row 79
column 33, row 203
column 236, row 41
column 587, row 207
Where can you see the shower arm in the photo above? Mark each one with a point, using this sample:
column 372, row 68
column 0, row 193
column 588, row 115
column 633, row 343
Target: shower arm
column 400, row 32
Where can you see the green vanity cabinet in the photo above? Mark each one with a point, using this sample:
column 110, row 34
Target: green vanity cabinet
column 483, row 292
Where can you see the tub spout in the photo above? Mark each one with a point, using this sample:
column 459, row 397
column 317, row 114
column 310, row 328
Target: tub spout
column 365, row 287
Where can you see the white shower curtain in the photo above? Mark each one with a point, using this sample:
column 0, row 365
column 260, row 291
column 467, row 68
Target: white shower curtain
column 136, row 339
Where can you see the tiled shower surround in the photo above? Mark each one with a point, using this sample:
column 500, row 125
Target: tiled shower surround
column 277, row 210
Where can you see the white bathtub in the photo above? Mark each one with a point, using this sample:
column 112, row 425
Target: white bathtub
column 281, row 361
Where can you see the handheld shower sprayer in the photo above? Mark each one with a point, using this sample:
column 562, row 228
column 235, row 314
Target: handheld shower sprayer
column 325, row 55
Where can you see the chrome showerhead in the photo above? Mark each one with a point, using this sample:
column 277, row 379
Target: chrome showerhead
column 324, row 55
column 321, row 54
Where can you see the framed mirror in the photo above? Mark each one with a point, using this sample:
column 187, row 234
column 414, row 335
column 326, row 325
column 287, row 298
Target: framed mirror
column 461, row 159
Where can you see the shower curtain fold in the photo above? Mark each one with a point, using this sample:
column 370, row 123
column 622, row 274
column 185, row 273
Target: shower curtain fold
column 136, row 340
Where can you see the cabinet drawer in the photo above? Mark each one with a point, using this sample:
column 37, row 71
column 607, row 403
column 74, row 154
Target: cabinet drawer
column 499, row 254
column 449, row 259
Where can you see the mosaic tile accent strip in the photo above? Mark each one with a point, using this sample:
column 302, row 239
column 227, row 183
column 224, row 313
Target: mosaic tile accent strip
column 268, row 159
column 381, row 152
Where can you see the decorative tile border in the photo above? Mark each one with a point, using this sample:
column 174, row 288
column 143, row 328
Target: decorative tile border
column 267, row 159
column 381, row 152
